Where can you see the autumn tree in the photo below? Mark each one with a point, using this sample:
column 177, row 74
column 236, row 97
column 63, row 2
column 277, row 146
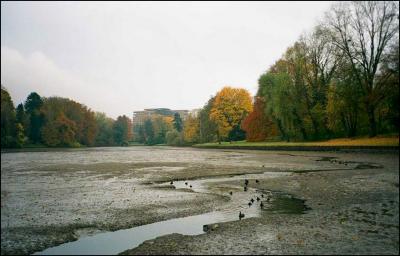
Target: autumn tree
column 59, row 132
column 363, row 31
column 191, row 130
column 63, row 110
column 257, row 124
column 231, row 105
column 319, row 60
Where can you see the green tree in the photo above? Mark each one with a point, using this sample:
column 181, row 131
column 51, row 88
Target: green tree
column 139, row 135
column 388, row 111
column 282, row 105
column 344, row 103
column 22, row 118
column 178, row 124
column 104, row 135
column 149, row 132
column 33, row 106
column 122, row 130
column 174, row 138
column 237, row 134
column 8, row 131
column 19, row 135
column 207, row 127
column 161, row 127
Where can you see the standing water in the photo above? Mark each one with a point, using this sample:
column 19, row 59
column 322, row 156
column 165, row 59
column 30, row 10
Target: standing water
column 121, row 240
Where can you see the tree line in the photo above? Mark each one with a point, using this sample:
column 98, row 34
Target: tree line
column 58, row 122
column 339, row 80
column 219, row 120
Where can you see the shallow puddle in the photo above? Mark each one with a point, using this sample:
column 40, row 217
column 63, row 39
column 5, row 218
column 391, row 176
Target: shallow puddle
column 286, row 204
column 121, row 240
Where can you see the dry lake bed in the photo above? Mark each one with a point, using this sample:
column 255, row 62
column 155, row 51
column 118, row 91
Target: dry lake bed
column 121, row 200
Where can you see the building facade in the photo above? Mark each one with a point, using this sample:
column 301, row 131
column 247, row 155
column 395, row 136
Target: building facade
column 139, row 117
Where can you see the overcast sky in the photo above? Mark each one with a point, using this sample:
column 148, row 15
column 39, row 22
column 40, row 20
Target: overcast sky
column 122, row 57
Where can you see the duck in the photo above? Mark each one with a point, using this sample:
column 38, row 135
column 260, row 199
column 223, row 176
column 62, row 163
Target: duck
column 249, row 204
column 252, row 200
column 246, row 182
column 245, row 188
column 262, row 195
column 241, row 215
column 190, row 186
column 186, row 183
column 258, row 199
column 171, row 182
column 257, row 181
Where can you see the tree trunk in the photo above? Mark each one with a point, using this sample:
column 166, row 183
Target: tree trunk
column 371, row 118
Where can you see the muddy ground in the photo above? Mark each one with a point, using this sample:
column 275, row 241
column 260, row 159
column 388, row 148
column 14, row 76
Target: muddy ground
column 49, row 198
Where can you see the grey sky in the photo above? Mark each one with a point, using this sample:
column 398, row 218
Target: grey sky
column 120, row 57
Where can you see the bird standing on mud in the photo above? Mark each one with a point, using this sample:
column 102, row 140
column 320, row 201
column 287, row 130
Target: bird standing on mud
column 230, row 193
column 258, row 199
column 245, row 189
column 186, row 183
column 171, row 182
column 246, row 182
column 241, row 215
column 257, row 181
column 249, row 204
column 261, row 205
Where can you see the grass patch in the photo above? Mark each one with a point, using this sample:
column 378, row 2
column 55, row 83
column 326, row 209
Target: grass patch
column 375, row 141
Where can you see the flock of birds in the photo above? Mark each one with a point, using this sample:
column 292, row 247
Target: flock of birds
column 250, row 203
column 186, row 183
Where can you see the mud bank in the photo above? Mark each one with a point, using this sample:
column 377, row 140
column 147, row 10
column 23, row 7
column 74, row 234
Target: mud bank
column 49, row 198
column 354, row 211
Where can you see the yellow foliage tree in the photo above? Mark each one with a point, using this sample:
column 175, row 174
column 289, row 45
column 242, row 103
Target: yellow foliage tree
column 230, row 106
column 191, row 129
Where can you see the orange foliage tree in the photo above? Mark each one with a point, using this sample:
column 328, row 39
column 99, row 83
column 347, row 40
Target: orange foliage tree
column 191, row 129
column 230, row 106
column 257, row 125
column 60, row 132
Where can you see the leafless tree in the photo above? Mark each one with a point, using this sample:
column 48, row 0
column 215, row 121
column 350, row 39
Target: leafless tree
column 363, row 31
